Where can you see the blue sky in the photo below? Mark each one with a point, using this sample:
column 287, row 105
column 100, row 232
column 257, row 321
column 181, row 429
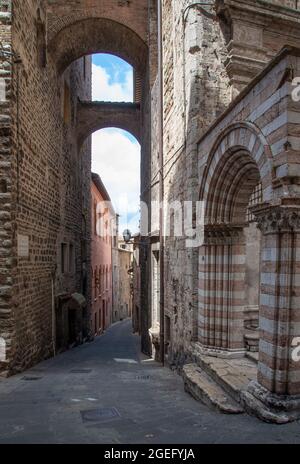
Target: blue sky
column 116, row 153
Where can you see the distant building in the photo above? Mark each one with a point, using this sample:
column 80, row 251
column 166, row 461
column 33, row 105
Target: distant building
column 101, row 258
column 125, row 280
column 136, row 284
column 115, row 272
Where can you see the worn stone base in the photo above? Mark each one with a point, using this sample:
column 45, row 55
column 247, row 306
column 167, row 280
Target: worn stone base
column 218, row 353
column 155, row 341
column 217, row 382
column 4, row 369
column 278, row 409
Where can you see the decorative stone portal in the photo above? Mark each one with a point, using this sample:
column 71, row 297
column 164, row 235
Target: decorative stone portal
column 251, row 190
column 224, row 283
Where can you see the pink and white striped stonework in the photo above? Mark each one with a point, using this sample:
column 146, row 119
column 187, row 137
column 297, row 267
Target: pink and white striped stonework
column 255, row 142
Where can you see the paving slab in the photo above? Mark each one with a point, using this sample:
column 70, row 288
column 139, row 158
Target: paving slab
column 152, row 406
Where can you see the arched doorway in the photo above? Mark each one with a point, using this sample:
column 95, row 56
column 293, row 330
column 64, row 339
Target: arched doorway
column 237, row 177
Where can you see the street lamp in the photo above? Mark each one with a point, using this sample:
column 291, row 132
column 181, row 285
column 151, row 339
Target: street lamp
column 127, row 236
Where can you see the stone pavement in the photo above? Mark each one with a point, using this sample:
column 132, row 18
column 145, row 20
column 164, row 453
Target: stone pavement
column 106, row 392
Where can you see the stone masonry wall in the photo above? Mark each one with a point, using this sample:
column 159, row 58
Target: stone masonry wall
column 51, row 183
column 196, row 90
column 6, row 206
column 200, row 75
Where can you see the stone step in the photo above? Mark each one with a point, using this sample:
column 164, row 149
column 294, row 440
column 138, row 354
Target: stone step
column 253, row 355
column 203, row 388
column 232, row 375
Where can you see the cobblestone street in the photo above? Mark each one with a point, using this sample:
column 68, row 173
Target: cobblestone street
column 69, row 399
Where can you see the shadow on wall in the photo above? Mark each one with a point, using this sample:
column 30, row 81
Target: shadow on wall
column 207, row 99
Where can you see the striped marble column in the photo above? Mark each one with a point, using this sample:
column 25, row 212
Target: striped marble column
column 276, row 394
column 280, row 299
column 221, row 289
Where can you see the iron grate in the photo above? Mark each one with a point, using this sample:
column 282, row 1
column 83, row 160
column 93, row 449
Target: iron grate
column 143, row 377
column 30, row 378
column 99, row 415
column 81, row 371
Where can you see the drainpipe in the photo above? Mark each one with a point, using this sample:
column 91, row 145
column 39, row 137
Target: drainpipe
column 161, row 181
column 53, row 311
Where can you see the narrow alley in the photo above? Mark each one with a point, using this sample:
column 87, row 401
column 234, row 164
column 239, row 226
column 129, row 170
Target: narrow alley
column 106, row 392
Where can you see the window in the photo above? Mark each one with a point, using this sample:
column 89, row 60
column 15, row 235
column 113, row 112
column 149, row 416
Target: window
column 95, row 218
column 64, row 258
column 3, row 186
column 71, row 258
column 106, row 231
column 255, row 199
column 96, row 283
column 99, row 281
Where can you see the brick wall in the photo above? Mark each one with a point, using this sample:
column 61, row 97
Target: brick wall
column 6, row 197
column 50, row 195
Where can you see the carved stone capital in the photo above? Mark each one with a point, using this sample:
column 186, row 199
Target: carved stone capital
column 275, row 219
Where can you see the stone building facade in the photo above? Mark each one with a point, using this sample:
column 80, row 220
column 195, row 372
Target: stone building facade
column 227, row 123
column 136, row 286
column 103, row 218
column 125, row 280
column 230, row 124
column 45, row 195
column 46, row 121
column 115, row 273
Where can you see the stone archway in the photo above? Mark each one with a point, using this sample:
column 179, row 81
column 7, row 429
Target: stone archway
column 97, row 35
column 94, row 116
column 239, row 160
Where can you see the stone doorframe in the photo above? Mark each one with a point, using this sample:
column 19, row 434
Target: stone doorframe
column 238, row 161
column 240, row 158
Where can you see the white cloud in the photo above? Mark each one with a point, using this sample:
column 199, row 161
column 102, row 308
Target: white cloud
column 117, row 161
column 103, row 89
